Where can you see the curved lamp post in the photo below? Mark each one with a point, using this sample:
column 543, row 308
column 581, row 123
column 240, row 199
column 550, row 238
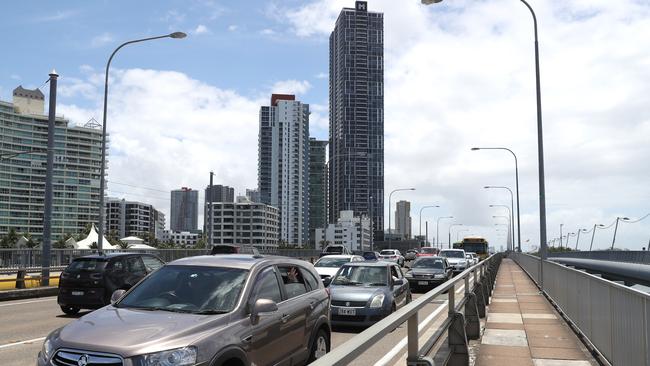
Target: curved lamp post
column 512, row 208
column 422, row 208
column 102, row 179
column 437, row 225
column 509, row 215
column 594, row 234
column 616, row 228
column 450, row 226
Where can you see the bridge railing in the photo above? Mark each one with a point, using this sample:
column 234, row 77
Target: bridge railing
column 478, row 280
column 614, row 318
column 628, row 256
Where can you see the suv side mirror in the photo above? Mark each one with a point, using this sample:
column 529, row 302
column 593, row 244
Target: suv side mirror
column 327, row 281
column 262, row 306
column 116, row 295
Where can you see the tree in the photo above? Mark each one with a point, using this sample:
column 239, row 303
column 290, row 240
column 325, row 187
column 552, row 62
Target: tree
column 60, row 244
column 9, row 240
column 200, row 244
column 81, row 236
column 93, row 245
column 31, row 243
column 121, row 244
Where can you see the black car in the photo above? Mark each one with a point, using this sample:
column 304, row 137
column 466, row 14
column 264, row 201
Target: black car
column 88, row 282
column 371, row 256
column 428, row 272
column 234, row 249
column 411, row 254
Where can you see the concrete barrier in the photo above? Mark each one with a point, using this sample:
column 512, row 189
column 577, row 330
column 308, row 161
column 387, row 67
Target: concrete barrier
column 28, row 293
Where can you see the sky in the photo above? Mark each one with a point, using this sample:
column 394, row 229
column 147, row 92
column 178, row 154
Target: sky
column 458, row 74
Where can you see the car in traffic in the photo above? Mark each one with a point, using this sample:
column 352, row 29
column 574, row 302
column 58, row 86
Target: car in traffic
column 411, row 254
column 363, row 293
column 88, row 282
column 472, row 258
column 371, row 256
column 456, row 259
column 335, row 249
column 427, row 251
column 328, row 265
column 392, row 255
column 427, row 272
column 204, row 310
column 233, row 249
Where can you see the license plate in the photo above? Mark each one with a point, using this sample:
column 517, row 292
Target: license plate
column 347, row 311
column 423, row 283
column 77, row 293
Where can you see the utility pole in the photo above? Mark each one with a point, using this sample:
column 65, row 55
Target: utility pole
column 426, row 233
column 49, row 172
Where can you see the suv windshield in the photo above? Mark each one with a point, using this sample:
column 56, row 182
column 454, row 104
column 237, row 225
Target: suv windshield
column 192, row 289
column 451, row 254
column 331, row 262
column 86, row 264
column 362, row 276
column 428, row 263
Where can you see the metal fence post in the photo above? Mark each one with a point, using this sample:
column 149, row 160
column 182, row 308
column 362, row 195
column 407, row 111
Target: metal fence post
column 473, row 326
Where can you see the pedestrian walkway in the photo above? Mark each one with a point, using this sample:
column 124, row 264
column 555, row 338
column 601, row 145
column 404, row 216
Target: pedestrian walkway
column 523, row 328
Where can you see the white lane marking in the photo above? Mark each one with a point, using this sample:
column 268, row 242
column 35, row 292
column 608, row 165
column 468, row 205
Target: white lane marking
column 27, row 302
column 21, row 342
column 398, row 348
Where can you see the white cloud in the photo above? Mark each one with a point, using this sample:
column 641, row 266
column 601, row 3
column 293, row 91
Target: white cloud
column 296, row 87
column 267, row 32
column 15, row 77
column 101, row 39
column 165, row 138
column 201, row 29
column 232, row 27
column 461, row 74
column 322, row 75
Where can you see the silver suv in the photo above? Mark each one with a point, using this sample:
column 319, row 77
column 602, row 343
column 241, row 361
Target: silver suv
column 208, row 311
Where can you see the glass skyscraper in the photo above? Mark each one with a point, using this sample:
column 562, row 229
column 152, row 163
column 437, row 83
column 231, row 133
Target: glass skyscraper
column 317, row 187
column 357, row 115
column 184, row 210
column 77, row 161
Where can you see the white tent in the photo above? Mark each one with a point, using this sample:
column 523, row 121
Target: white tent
column 93, row 237
column 132, row 240
column 140, row 247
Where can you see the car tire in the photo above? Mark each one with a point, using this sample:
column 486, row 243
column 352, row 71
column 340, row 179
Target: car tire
column 320, row 346
column 69, row 310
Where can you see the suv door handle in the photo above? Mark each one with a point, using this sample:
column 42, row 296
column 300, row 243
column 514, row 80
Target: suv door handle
column 312, row 304
column 285, row 318
column 247, row 339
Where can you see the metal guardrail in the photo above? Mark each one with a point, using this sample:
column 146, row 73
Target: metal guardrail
column 628, row 256
column 32, row 258
column 460, row 326
column 614, row 318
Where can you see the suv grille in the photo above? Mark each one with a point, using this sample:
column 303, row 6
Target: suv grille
column 68, row 357
column 357, row 304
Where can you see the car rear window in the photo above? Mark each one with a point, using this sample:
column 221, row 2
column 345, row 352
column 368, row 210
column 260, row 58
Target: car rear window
column 387, row 252
column 369, row 255
column 428, row 250
column 334, row 250
column 86, row 264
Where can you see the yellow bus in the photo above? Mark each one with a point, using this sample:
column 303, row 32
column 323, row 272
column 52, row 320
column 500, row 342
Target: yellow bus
column 474, row 244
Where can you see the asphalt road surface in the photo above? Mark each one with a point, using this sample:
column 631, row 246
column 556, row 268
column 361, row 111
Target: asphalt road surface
column 25, row 323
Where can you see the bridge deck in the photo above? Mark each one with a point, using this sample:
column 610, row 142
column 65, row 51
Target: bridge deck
column 523, row 328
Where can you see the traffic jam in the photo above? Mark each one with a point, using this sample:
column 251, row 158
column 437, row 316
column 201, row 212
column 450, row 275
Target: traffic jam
column 233, row 306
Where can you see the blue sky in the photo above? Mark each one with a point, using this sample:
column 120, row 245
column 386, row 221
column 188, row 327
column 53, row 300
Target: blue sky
column 457, row 74
column 237, row 45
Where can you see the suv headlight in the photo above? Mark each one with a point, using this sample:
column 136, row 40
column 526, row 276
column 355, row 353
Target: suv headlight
column 377, row 301
column 463, row 262
column 47, row 349
column 185, row 356
column 439, row 275
column 408, row 274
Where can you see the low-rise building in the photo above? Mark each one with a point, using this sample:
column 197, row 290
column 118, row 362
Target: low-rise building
column 244, row 223
column 353, row 232
column 184, row 238
column 133, row 218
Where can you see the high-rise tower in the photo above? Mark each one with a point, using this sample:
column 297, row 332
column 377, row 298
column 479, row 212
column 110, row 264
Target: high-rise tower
column 357, row 115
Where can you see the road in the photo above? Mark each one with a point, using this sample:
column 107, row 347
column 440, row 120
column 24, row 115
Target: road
column 25, row 323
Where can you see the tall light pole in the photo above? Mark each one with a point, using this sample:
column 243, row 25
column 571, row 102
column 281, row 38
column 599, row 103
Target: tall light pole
column 578, row 238
column 422, row 208
column 450, row 226
column 437, row 226
column 49, row 192
column 594, row 234
column 540, row 148
column 102, row 179
column 512, row 209
column 616, row 228
column 516, row 187
column 389, row 203
column 509, row 215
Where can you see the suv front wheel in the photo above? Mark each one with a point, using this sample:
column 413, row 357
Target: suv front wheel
column 320, row 346
column 69, row 310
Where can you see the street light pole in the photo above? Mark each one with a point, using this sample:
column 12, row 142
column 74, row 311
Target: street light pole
column 616, row 228
column 437, row 225
column 594, row 234
column 49, row 173
column 561, row 236
column 512, row 208
column 422, row 208
column 516, row 188
column 578, row 238
column 450, row 226
column 509, row 221
column 102, row 179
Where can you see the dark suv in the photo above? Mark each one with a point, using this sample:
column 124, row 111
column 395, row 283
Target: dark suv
column 88, row 282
